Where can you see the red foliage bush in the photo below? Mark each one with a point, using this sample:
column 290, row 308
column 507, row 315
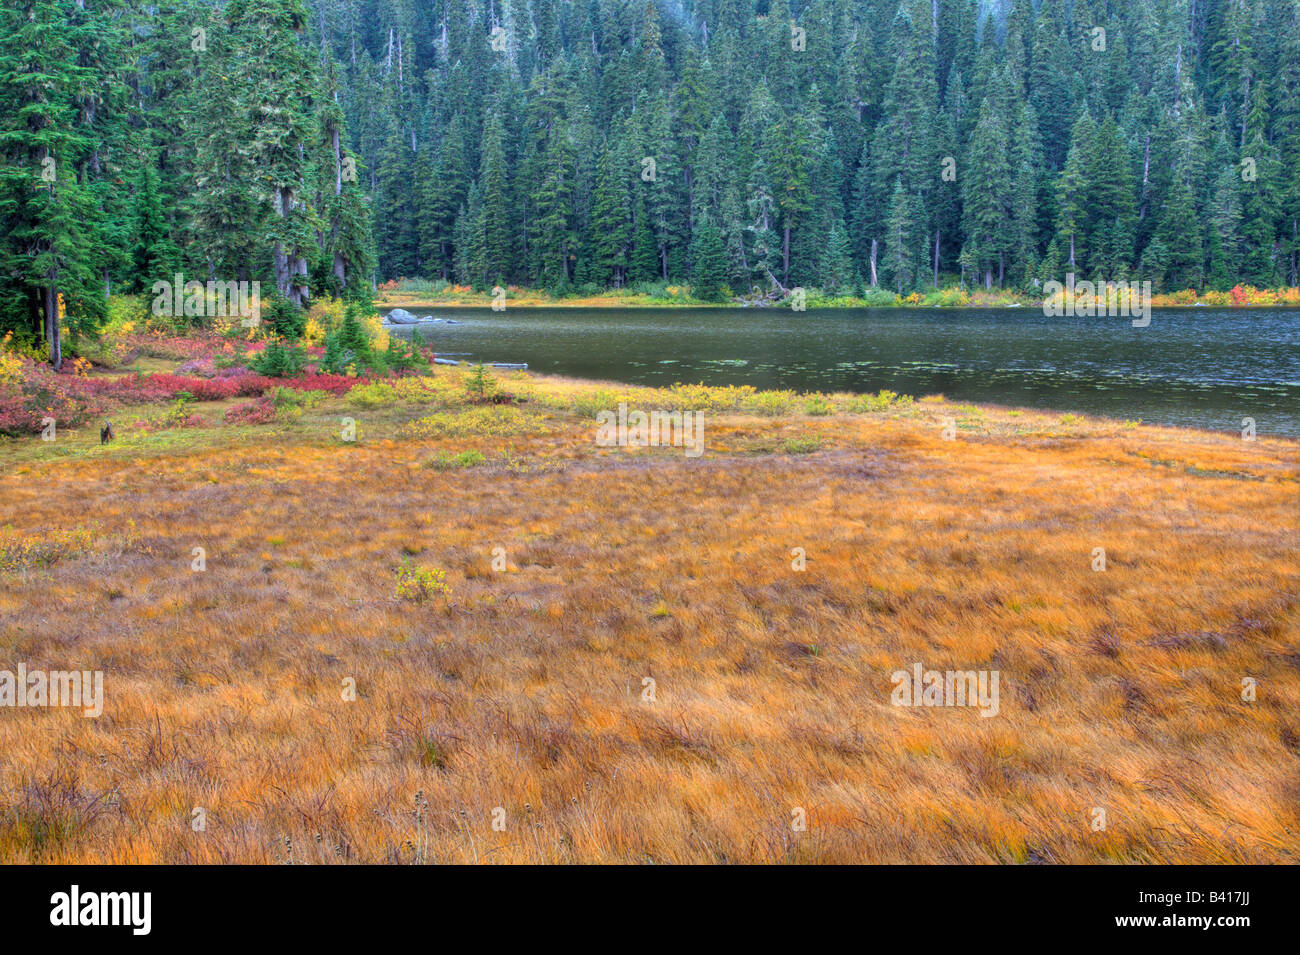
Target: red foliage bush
column 319, row 381
column 199, row 344
column 261, row 411
column 42, row 393
column 72, row 399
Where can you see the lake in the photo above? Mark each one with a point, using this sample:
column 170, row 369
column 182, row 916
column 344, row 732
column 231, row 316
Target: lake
column 1203, row 367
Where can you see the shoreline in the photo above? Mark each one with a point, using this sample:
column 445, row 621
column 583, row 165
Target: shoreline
column 990, row 419
column 532, row 299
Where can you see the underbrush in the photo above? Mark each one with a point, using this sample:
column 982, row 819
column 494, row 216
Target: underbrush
column 587, row 402
column 25, row 552
column 484, row 421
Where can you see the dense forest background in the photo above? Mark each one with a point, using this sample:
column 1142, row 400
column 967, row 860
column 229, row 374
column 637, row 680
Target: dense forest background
column 326, row 145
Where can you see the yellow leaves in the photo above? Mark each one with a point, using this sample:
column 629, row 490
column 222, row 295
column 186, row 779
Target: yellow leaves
column 20, row 552
column 419, row 584
column 11, row 367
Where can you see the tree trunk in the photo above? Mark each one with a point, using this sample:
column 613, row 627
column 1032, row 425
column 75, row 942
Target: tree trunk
column 785, row 253
column 1146, row 177
column 281, row 263
column 52, row 330
column 875, row 248
column 936, row 258
column 772, row 278
column 338, row 163
column 298, row 290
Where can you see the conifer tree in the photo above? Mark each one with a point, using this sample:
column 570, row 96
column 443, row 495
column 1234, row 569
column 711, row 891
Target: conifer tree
column 709, row 273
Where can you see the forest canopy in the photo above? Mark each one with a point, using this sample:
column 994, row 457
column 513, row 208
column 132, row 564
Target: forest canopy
column 322, row 146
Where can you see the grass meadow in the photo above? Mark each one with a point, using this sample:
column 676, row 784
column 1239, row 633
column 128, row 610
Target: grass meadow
column 464, row 632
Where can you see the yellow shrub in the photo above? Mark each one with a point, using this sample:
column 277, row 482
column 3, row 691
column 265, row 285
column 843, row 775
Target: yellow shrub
column 487, row 421
column 420, row 583
column 709, row 398
column 323, row 317
column 11, row 364
column 413, row 390
column 375, row 330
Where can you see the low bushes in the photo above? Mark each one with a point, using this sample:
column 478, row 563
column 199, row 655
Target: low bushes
column 31, row 393
column 446, row 461
column 886, row 399
column 178, row 414
column 484, row 421
column 261, row 411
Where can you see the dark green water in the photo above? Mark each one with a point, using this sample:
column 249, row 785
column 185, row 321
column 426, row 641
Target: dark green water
column 1203, row 367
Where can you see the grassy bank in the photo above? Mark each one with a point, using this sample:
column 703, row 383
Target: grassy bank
column 499, row 589
column 425, row 294
column 663, row 295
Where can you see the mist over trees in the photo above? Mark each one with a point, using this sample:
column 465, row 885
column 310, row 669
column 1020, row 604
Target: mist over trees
column 323, row 145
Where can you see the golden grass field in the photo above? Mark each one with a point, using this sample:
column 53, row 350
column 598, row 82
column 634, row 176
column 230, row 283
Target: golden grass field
column 522, row 689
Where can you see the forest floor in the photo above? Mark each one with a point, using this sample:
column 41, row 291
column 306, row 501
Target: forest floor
column 628, row 664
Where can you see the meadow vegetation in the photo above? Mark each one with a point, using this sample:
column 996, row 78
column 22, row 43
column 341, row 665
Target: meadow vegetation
column 499, row 588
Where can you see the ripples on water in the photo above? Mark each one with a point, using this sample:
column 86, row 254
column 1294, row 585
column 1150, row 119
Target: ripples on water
column 1203, row 367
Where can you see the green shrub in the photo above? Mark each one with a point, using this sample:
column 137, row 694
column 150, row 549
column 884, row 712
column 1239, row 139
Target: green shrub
column 420, row 583
column 294, row 398
column 817, row 405
column 876, row 297
column 804, row 444
column 279, row 360
column 349, row 347
column 377, row 394
column 886, row 399
column 771, row 403
column 446, row 461
column 588, row 404
column 400, row 356
column 284, row 318
column 480, row 384
column 436, row 286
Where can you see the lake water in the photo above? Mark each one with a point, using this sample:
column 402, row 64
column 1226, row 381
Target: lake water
column 1203, row 367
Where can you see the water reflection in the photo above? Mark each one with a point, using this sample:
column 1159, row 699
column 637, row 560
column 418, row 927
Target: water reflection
column 1203, row 367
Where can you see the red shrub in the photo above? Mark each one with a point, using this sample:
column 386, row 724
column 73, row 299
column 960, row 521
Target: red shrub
column 261, row 411
column 42, row 393
column 320, row 381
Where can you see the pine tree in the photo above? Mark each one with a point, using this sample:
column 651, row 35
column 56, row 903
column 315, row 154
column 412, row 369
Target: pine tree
column 903, row 241
column 445, row 191
column 611, row 220
column 47, row 252
column 1180, row 238
column 498, row 246
column 153, row 255
column 1071, row 199
column 645, row 251
column 273, row 81
column 1111, row 212
column 709, row 274
column 837, row 273
column 986, row 213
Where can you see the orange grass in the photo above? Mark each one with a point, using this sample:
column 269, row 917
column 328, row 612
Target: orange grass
column 523, row 688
